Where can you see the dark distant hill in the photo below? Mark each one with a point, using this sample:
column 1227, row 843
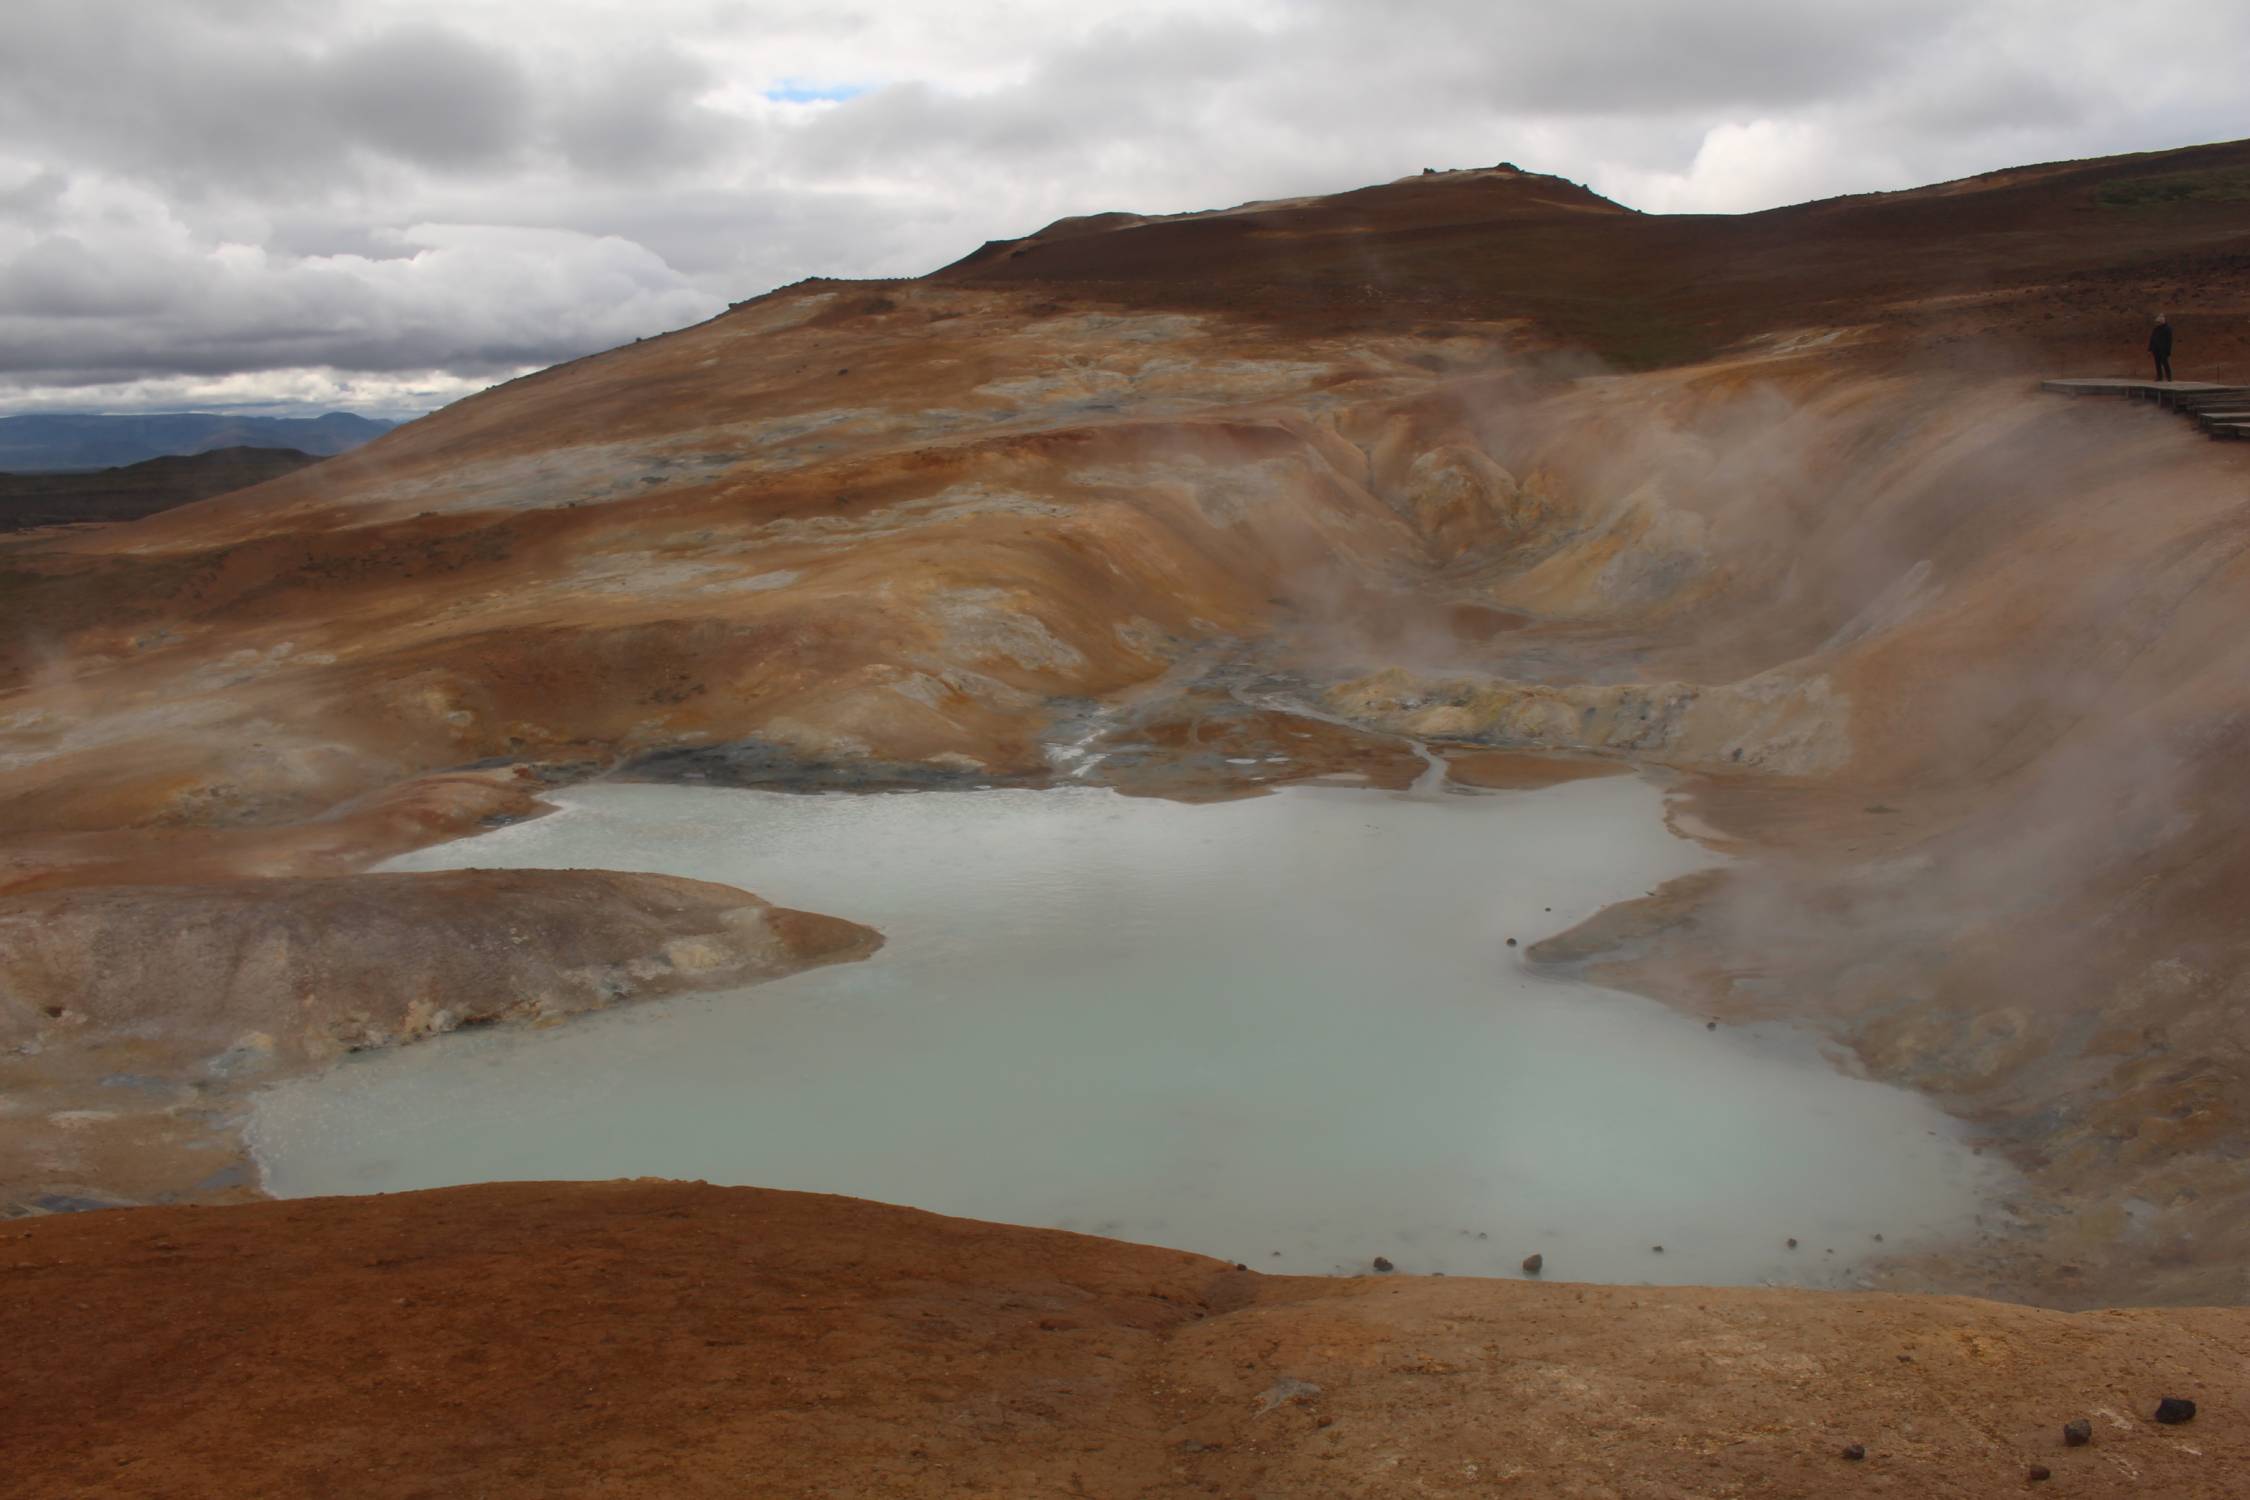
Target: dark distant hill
column 142, row 489
column 46, row 443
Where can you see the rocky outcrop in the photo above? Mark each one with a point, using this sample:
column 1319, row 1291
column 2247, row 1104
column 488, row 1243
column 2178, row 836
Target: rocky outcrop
column 293, row 972
column 133, row 1019
column 1776, row 722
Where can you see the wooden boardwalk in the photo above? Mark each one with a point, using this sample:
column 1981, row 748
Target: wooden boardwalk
column 2222, row 411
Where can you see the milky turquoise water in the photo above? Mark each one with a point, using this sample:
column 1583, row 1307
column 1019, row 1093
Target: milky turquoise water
column 1290, row 1024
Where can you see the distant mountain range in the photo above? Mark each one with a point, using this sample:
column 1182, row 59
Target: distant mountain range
column 66, row 497
column 46, row 443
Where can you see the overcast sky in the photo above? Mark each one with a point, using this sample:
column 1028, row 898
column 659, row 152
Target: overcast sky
column 382, row 205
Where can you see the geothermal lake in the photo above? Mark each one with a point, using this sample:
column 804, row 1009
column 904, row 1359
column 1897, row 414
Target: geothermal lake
column 1286, row 1031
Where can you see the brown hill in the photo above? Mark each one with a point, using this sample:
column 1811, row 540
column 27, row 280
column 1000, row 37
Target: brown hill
column 2053, row 266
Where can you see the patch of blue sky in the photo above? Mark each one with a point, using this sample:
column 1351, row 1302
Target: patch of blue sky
column 797, row 92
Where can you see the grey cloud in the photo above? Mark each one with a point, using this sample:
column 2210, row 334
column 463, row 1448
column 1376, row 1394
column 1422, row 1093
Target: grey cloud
column 188, row 97
column 32, row 202
column 297, row 230
column 1340, row 68
column 2010, row 101
column 452, row 297
column 1338, row 92
column 423, row 94
column 191, row 98
column 641, row 114
column 59, row 277
column 1159, row 84
column 1636, row 56
column 1765, row 55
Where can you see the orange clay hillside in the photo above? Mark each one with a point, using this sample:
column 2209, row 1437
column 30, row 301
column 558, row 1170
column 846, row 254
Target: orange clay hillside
column 1768, row 505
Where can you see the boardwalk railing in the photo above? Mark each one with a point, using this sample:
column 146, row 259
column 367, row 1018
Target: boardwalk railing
column 2222, row 411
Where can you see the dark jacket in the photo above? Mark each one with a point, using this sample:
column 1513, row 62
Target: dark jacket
column 2160, row 340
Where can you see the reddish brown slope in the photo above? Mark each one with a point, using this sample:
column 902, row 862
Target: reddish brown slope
column 2050, row 267
column 675, row 1340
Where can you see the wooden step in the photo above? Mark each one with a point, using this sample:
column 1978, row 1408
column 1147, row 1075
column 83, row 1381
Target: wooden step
column 2222, row 411
column 2144, row 389
column 2190, row 400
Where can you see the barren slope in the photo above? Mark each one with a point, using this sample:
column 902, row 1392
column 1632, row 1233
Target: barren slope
column 676, row 1340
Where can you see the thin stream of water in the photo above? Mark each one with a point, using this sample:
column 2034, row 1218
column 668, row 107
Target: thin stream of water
column 1286, row 1030
column 1435, row 772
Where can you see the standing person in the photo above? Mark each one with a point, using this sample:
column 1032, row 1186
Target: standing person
column 2160, row 345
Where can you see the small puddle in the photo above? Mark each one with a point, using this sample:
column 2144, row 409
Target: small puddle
column 1286, row 1031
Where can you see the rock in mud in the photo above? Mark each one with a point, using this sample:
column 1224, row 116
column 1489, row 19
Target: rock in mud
column 1383, row 1265
column 1533, row 1263
column 1855, row 1451
column 2174, row 1409
column 2037, row 1472
column 2077, row 1432
column 1285, row 1390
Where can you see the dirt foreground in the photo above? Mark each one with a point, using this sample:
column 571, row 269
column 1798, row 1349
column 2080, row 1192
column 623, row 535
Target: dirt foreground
column 674, row 1339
